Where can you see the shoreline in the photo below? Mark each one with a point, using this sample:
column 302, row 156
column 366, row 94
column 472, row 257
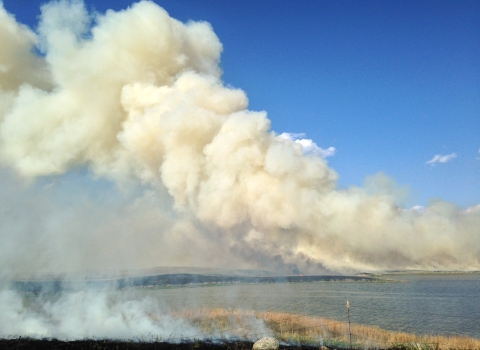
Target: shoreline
column 183, row 280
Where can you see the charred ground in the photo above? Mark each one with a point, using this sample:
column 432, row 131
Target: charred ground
column 25, row 343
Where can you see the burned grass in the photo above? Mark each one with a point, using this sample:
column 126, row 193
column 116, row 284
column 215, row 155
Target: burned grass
column 34, row 344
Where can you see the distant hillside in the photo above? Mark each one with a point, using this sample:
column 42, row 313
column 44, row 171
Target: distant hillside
column 174, row 280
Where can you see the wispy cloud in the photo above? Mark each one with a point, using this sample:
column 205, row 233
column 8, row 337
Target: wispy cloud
column 475, row 208
column 418, row 208
column 478, row 158
column 309, row 147
column 438, row 158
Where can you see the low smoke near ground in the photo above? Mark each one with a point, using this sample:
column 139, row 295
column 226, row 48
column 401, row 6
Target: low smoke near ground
column 109, row 314
column 122, row 149
column 86, row 314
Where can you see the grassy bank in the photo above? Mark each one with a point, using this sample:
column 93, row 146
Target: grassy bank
column 239, row 329
column 297, row 329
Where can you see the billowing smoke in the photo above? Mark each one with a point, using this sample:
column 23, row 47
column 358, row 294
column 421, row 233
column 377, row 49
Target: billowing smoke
column 136, row 97
column 90, row 315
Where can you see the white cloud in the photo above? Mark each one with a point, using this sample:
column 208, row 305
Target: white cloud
column 418, row 208
column 308, row 146
column 442, row 159
column 474, row 209
column 478, row 158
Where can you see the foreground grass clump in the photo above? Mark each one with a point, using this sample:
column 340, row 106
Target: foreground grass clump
column 298, row 329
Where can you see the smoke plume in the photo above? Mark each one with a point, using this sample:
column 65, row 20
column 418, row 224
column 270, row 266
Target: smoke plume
column 89, row 315
column 135, row 98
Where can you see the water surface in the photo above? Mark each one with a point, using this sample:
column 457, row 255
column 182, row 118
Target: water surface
column 421, row 303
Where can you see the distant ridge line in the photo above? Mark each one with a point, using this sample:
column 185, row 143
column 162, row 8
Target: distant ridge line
column 175, row 280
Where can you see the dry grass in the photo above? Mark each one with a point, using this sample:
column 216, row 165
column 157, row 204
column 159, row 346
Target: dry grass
column 221, row 323
column 291, row 328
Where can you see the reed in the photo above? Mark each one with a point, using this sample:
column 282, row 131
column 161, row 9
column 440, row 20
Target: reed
column 295, row 329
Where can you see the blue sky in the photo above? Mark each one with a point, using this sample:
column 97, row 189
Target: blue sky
column 388, row 84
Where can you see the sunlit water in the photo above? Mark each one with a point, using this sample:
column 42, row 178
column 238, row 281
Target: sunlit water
column 423, row 304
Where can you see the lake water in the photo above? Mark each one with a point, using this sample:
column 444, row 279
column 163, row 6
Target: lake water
column 422, row 303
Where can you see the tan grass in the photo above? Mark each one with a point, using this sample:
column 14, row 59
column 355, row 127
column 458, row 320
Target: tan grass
column 293, row 328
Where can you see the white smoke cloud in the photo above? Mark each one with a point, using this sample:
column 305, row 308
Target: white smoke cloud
column 89, row 315
column 128, row 315
column 442, row 159
column 137, row 99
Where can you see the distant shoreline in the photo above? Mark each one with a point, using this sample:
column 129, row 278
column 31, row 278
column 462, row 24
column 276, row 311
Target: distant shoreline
column 195, row 280
column 417, row 272
column 177, row 281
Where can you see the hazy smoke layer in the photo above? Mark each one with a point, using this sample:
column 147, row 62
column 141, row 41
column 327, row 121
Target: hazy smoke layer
column 89, row 314
column 136, row 97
